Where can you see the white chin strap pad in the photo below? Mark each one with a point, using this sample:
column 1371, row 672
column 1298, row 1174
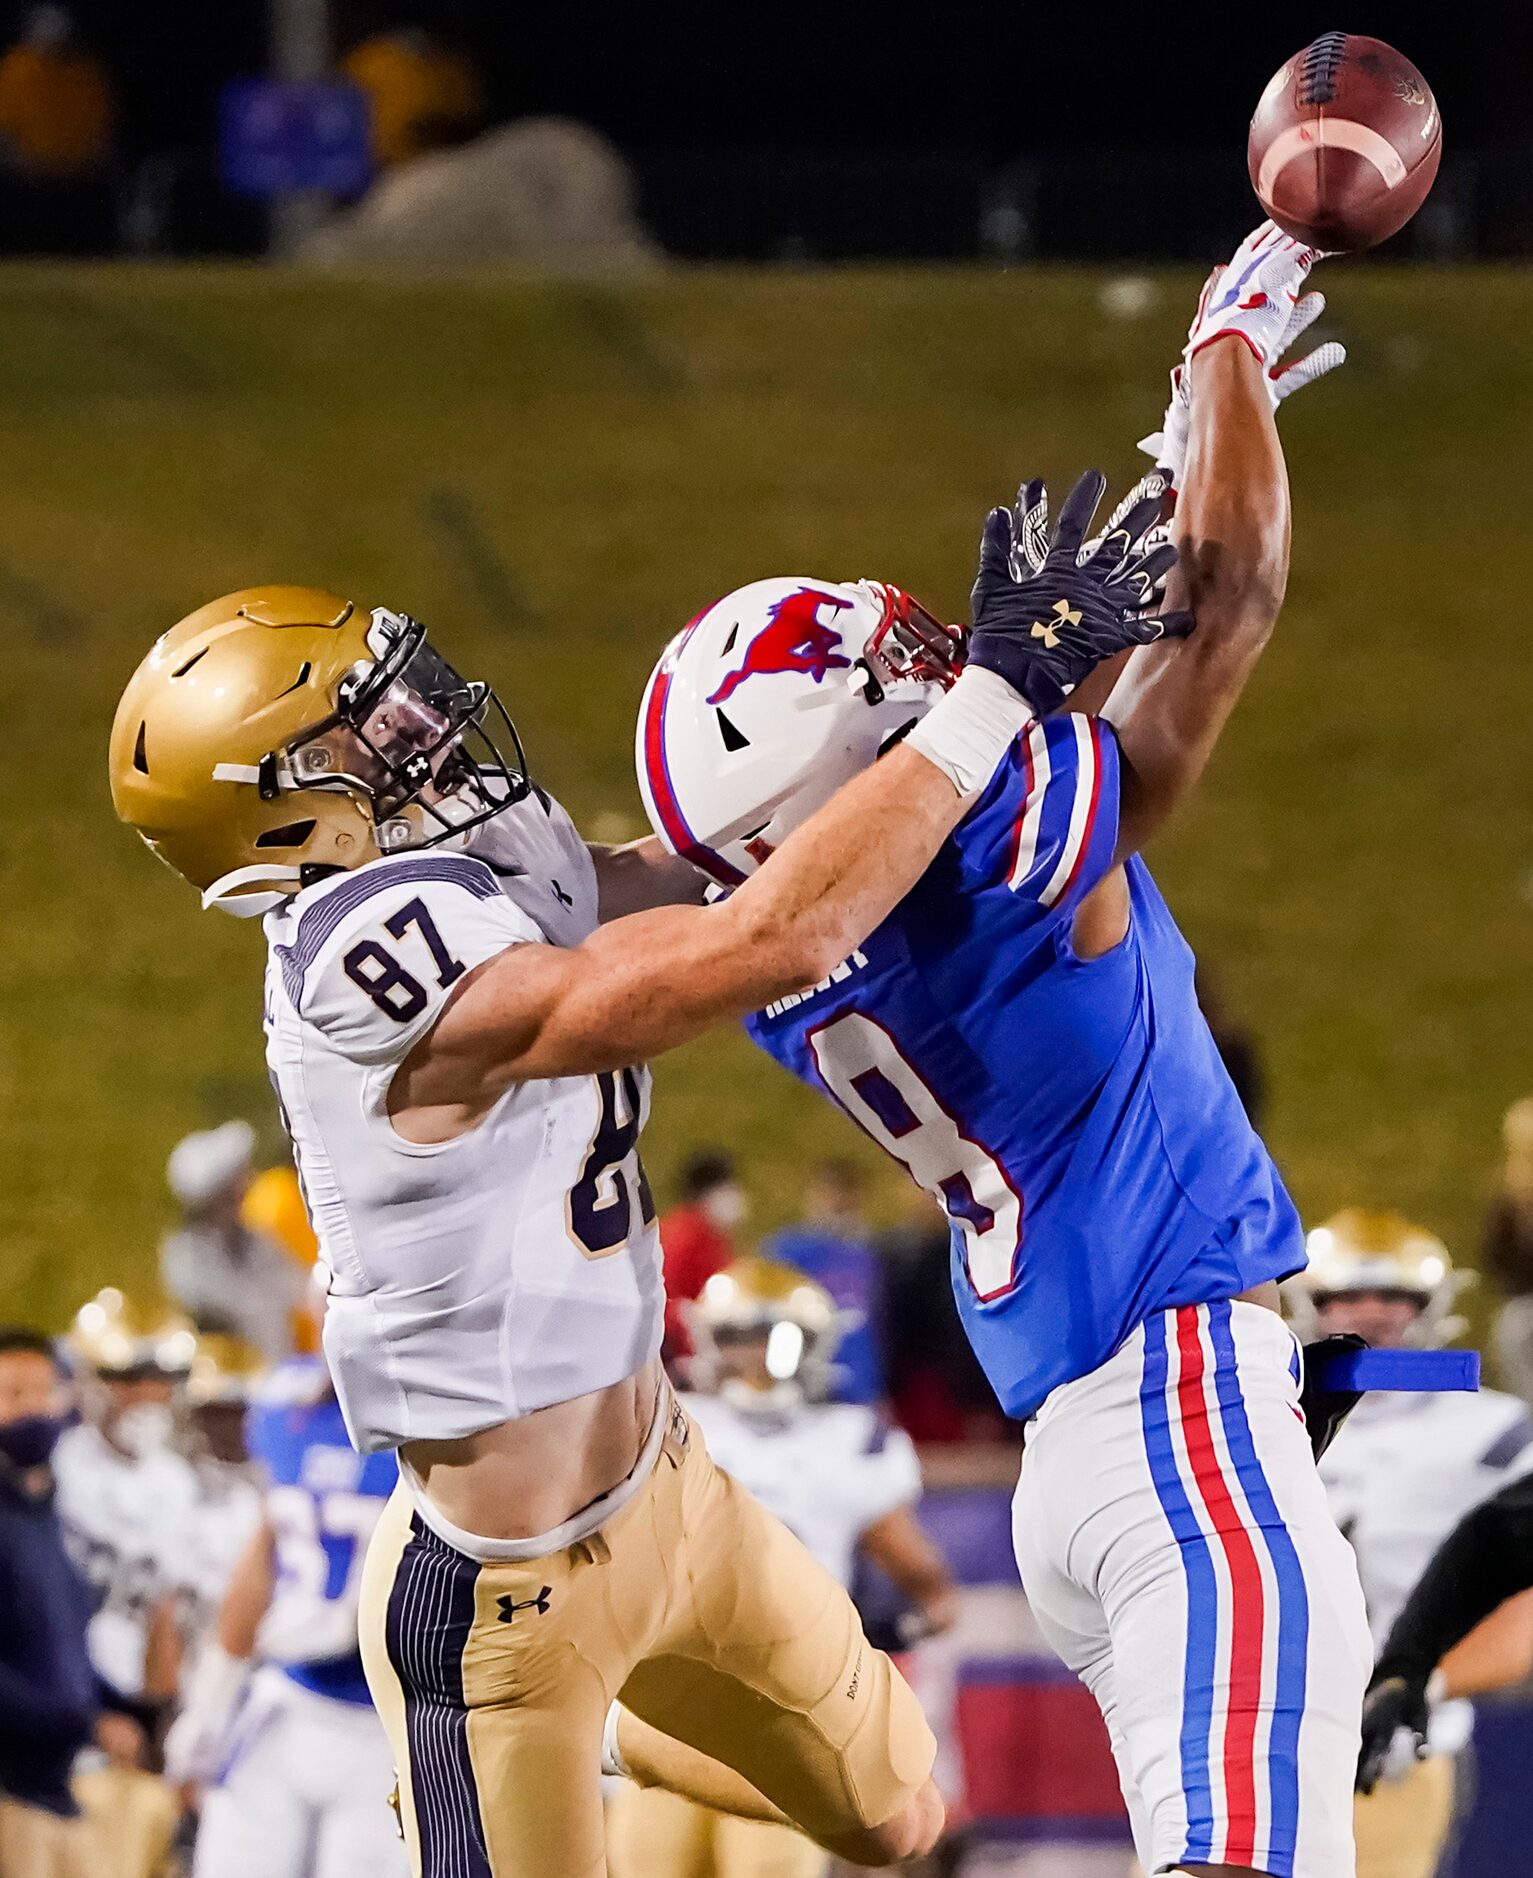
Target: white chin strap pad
column 225, row 892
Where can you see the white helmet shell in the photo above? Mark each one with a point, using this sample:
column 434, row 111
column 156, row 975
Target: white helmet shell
column 762, row 707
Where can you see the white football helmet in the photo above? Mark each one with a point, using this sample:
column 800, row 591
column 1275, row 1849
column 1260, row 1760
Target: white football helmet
column 771, row 699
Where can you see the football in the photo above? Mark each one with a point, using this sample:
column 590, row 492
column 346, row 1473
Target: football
column 1345, row 143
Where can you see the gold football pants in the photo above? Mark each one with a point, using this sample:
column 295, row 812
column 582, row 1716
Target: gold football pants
column 130, row 1820
column 651, row 1832
column 693, row 1604
column 38, row 1844
column 1402, row 1826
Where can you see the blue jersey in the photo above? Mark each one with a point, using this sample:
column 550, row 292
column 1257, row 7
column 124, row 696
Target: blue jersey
column 1072, row 1116
column 322, row 1501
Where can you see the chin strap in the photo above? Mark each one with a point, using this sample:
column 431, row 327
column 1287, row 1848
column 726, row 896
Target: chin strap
column 225, row 892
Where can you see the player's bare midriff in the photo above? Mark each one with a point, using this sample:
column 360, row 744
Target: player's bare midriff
column 527, row 1476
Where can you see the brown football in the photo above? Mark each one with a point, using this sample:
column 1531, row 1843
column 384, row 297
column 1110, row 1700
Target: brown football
column 1345, row 143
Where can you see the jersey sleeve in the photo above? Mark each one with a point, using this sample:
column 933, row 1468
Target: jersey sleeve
column 1065, row 827
column 373, row 963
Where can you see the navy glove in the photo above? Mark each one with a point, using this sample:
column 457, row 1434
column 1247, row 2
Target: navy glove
column 1326, row 1409
column 1394, row 1703
column 1044, row 632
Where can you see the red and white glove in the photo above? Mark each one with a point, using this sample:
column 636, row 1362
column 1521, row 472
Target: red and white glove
column 1256, row 299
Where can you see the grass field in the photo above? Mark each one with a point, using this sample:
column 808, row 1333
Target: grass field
column 556, row 476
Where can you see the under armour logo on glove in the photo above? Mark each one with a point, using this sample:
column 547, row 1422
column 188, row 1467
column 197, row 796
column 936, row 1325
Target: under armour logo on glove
column 1044, row 628
column 509, row 1606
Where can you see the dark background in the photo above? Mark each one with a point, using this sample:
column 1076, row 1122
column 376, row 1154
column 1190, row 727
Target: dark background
column 802, row 132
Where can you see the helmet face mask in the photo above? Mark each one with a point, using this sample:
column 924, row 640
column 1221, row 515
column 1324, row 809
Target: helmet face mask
column 410, row 733
column 910, row 642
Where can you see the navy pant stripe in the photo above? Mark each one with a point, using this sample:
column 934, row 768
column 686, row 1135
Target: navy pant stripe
column 430, row 1615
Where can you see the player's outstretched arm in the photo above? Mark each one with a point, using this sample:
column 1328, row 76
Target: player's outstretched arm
column 652, row 981
column 1232, row 528
column 657, row 979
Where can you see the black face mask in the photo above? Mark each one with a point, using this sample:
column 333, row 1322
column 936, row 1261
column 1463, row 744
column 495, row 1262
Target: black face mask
column 30, row 1440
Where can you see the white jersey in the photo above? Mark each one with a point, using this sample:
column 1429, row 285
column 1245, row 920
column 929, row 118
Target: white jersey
column 828, row 1470
column 219, row 1526
column 517, row 1265
column 1401, row 1474
column 125, row 1522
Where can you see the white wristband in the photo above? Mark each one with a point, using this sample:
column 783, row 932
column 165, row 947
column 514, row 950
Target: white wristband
column 967, row 733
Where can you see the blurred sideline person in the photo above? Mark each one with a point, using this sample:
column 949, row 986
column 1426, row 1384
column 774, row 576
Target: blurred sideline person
column 127, row 1500
column 458, row 992
column 1401, row 1473
column 225, row 1276
column 1479, row 1575
column 1022, row 1035
column 58, row 117
column 836, row 1475
column 937, row 1388
column 1508, row 1255
column 279, row 1734
column 833, row 1245
column 423, row 94
column 224, row 1376
column 697, row 1237
column 273, row 1205
column 49, row 1695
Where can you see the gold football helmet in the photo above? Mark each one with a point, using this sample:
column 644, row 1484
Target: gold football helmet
column 116, row 1336
column 1367, row 1249
column 224, row 1369
column 280, row 733
column 761, row 1301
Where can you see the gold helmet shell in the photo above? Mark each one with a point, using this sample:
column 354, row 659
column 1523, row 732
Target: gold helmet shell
column 758, row 1297
column 240, row 678
column 114, row 1335
column 222, row 754
column 1372, row 1249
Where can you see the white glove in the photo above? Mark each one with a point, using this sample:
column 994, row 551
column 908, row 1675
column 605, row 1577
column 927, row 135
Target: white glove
column 195, row 1741
column 1256, row 298
column 1030, row 531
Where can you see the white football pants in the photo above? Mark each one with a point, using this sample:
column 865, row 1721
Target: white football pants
column 1177, row 1550
column 305, row 1793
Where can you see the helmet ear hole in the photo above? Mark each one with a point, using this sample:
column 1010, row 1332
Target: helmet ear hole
column 140, row 761
column 289, row 835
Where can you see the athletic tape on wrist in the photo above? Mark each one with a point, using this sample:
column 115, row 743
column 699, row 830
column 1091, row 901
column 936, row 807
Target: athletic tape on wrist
column 967, row 733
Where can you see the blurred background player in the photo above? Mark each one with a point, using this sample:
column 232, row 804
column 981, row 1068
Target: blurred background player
column 697, row 1237
column 1508, row 1248
column 224, row 1375
column 279, row 1733
column 128, row 1502
column 836, row 1475
column 833, row 1244
column 49, row 1697
column 1401, row 1473
column 227, row 1276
